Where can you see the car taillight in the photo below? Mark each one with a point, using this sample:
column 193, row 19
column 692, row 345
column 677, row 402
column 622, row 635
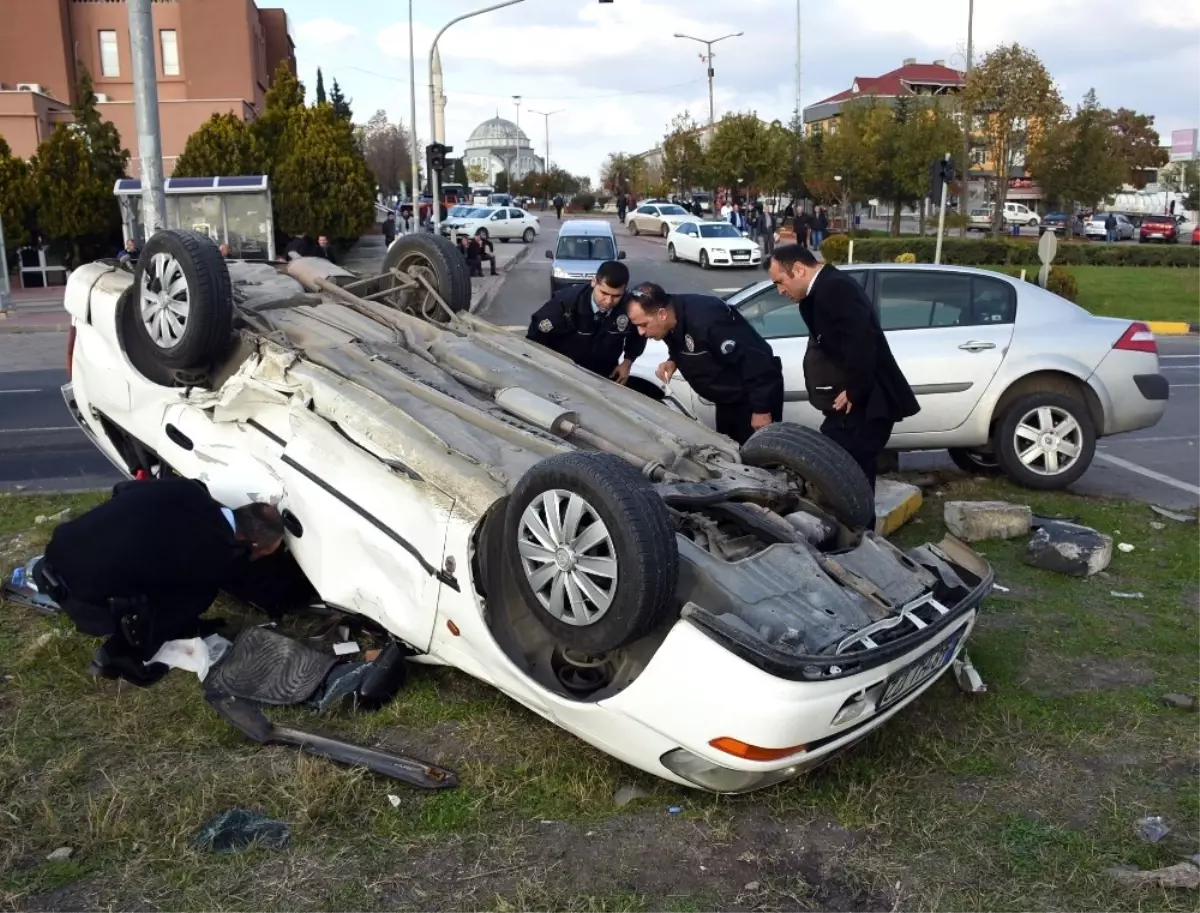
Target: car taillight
column 1137, row 338
column 70, row 351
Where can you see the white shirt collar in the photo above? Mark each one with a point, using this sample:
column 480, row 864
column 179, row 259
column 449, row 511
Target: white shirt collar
column 813, row 280
column 228, row 514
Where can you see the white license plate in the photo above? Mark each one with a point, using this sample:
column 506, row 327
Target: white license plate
column 921, row 670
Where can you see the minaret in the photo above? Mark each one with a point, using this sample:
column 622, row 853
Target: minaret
column 439, row 100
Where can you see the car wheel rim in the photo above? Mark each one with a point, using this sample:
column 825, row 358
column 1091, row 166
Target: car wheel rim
column 1048, row 440
column 417, row 300
column 568, row 557
column 165, row 300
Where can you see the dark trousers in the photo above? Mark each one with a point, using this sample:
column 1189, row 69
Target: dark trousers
column 733, row 419
column 863, row 439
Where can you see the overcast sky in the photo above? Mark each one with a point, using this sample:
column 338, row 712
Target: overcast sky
column 617, row 75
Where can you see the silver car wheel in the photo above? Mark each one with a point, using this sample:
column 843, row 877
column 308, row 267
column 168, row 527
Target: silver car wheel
column 568, row 556
column 1048, row 440
column 165, row 301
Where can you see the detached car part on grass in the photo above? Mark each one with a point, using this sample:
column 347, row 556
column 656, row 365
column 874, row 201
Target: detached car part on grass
column 717, row 616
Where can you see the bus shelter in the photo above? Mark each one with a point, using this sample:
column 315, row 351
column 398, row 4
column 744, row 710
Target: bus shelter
column 230, row 210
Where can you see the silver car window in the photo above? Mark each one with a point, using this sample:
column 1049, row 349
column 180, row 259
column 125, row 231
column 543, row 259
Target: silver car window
column 773, row 315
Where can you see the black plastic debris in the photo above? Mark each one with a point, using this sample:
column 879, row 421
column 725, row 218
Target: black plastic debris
column 237, row 829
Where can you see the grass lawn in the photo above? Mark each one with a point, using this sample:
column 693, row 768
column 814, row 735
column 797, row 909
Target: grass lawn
column 1136, row 292
column 1021, row 798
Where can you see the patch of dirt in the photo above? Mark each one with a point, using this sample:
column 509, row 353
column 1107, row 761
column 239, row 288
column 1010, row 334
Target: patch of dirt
column 1056, row 677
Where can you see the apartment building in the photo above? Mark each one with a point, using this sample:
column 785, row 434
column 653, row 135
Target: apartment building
column 211, row 57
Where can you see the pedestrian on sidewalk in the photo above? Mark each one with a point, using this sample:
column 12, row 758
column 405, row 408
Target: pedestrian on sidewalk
column 389, row 229
column 621, row 207
column 130, row 251
column 820, row 226
column 558, row 206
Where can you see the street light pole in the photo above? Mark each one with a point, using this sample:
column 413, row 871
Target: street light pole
column 145, row 99
column 964, row 199
column 412, row 124
column 513, row 171
column 711, row 72
column 546, row 164
column 433, row 177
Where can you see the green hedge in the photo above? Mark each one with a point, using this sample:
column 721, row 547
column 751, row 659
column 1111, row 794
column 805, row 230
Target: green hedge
column 1003, row 252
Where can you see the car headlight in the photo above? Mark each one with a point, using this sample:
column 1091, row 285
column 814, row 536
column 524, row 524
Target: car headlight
column 718, row 779
column 720, row 250
column 560, row 273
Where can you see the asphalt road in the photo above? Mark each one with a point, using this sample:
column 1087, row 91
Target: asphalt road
column 1160, row 465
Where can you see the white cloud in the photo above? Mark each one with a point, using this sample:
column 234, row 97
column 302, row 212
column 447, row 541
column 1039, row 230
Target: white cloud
column 620, row 76
column 324, row 32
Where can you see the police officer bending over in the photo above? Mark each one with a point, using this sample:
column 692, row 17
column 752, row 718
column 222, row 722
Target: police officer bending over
column 589, row 324
column 143, row 567
column 717, row 352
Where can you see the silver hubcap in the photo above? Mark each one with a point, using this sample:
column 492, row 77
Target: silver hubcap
column 166, row 300
column 1048, row 440
column 568, row 557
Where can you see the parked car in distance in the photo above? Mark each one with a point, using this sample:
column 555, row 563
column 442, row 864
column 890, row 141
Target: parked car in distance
column 583, row 244
column 1011, row 378
column 704, row 199
column 1021, row 214
column 1057, row 222
column 1094, row 229
column 656, row 218
column 504, row 223
column 1159, row 228
column 979, row 219
column 712, row 244
column 1196, row 235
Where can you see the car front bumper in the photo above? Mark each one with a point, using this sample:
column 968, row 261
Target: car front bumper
column 716, row 259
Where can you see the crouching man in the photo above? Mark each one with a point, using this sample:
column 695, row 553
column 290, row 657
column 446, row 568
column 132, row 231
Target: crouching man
column 143, row 567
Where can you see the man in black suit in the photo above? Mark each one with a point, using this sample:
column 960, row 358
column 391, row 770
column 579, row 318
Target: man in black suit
column 870, row 393
column 143, row 567
column 719, row 354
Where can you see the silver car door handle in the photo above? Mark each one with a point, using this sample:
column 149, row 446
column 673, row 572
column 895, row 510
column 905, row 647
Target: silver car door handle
column 974, row 346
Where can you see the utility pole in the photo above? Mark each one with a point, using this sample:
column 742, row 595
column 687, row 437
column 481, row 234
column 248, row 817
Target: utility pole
column 413, row 192
column 964, row 198
column 937, row 252
column 145, row 99
column 5, row 291
column 708, row 58
column 546, row 167
column 799, row 110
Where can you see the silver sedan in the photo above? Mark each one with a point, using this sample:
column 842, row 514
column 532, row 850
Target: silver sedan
column 1010, row 378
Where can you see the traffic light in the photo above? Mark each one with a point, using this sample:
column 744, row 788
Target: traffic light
column 941, row 171
column 436, row 155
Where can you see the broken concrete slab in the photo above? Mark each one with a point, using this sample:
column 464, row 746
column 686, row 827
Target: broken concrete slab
column 1180, row 702
column 62, row 854
column 1068, row 548
column 895, row 504
column 1182, row 875
column 974, row 521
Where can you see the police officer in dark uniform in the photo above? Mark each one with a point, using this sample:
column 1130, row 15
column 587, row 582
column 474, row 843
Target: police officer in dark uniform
column 717, row 352
column 143, row 567
column 589, row 324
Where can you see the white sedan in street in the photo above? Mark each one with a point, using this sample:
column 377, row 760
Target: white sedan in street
column 712, row 244
column 656, row 218
column 503, row 223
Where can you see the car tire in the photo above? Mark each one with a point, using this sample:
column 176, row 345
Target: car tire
column 614, row 504
column 528, row 235
column 1027, row 417
column 633, row 229
column 438, row 260
column 1032, row 223
column 192, row 331
column 665, row 230
column 704, row 259
column 671, row 253
column 837, row 481
column 975, row 462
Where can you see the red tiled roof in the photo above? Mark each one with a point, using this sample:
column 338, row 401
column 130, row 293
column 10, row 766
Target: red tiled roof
column 893, row 83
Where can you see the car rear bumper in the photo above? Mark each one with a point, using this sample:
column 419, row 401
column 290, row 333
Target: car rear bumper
column 1134, row 392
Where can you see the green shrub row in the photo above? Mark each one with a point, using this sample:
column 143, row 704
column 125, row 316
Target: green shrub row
column 1003, row 252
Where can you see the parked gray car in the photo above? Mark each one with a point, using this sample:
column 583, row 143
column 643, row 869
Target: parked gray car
column 1010, row 378
column 583, row 244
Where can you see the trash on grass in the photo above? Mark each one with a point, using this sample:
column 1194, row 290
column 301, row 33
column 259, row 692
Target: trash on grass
column 1121, row 595
column 1173, row 514
column 628, row 793
column 1153, row 828
column 235, row 829
column 64, row 514
column 62, row 854
column 1154, row 524
column 394, row 799
column 1180, row 875
column 1180, row 701
column 1124, row 547
column 674, row 810
column 1001, row 589
column 193, row 654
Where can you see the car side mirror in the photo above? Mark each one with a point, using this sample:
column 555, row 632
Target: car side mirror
column 620, row 255
column 549, row 255
column 745, row 234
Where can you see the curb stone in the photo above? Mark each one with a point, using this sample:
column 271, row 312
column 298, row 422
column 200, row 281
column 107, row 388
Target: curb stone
column 1172, row 327
column 895, row 504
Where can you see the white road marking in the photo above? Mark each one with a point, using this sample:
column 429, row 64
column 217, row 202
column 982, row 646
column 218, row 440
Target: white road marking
column 38, row 430
column 1149, row 473
column 1179, row 386
column 1179, row 367
column 21, row 391
column 1155, row 440
column 1165, row 357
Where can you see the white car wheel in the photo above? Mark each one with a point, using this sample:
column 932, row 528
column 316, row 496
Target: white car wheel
column 633, row 229
column 1046, row 440
column 671, row 253
column 665, row 230
column 528, row 236
column 165, row 300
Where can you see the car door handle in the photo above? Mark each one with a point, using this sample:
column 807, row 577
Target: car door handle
column 976, row 346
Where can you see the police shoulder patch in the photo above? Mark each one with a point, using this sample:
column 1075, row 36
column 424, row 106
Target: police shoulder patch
column 689, row 342
column 546, row 325
column 622, row 322
column 728, row 346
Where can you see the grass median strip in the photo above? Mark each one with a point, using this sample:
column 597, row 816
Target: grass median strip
column 1017, row 799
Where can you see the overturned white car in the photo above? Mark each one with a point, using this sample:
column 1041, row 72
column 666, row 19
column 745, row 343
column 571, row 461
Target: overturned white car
column 720, row 618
